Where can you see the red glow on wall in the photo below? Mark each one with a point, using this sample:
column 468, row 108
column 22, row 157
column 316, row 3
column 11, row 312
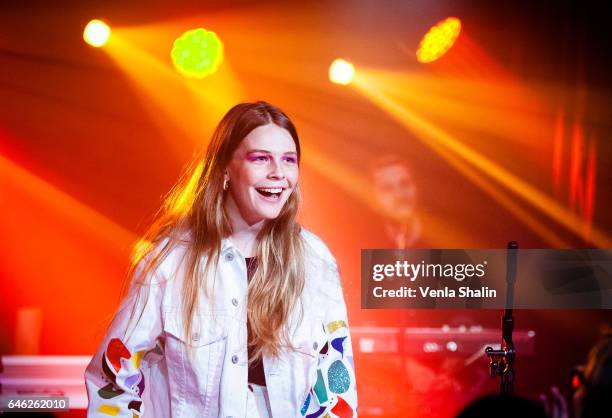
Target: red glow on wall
column 59, row 259
column 558, row 152
column 581, row 178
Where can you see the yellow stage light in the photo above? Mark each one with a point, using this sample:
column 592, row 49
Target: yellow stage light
column 341, row 72
column 438, row 40
column 197, row 53
column 96, row 33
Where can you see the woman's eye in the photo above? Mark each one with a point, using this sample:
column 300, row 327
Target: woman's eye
column 259, row 158
column 291, row 160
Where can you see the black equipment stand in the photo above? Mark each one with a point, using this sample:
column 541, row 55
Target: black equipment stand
column 502, row 360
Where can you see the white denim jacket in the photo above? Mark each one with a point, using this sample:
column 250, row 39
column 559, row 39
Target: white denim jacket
column 147, row 372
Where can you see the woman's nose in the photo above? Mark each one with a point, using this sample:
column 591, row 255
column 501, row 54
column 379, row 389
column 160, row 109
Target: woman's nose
column 276, row 170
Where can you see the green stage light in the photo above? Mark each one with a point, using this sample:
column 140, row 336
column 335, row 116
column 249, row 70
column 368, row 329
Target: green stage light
column 197, row 53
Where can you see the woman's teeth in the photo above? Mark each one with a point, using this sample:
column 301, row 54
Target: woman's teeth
column 270, row 191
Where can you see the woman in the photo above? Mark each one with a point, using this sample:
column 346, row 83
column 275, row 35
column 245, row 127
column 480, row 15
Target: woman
column 234, row 310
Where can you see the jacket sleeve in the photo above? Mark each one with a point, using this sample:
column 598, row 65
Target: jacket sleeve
column 334, row 392
column 114, row 378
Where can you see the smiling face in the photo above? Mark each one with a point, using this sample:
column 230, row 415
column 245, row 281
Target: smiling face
column 263, row 172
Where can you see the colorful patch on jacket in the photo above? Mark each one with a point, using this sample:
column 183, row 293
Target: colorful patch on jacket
column 338, row 344
column 324, row 349
column 336, row 325
column 319, row 389
column 338, row 377
column 342, row 409
column 115, row 351
column 317, row 414
column 109, row 391
column 306, row 405
column 135, row 406
column 111, row 410
column 121, row 368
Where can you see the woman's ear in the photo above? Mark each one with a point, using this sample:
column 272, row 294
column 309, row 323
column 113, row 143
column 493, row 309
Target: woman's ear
column 225, row 181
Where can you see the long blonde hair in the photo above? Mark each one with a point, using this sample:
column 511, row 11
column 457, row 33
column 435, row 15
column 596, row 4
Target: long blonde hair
column 196, row 204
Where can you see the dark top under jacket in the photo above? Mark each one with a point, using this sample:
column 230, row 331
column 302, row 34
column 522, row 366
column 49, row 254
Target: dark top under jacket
column 256, row 370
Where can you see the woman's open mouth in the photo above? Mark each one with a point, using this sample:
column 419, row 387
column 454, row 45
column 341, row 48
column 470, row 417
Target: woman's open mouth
column 270, row 194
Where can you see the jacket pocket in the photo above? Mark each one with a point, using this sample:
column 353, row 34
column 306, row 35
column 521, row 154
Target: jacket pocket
column 195, row 363
column 205, row 329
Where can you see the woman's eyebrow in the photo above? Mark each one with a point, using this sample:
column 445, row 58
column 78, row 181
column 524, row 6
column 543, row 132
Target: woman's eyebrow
column 270, row 152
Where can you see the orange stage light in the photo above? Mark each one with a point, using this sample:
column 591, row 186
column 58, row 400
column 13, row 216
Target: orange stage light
column 438, row 40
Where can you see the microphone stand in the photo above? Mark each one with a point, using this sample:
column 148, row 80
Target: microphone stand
column 502, row 360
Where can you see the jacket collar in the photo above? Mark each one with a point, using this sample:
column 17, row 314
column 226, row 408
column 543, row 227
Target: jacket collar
column 226, row 245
